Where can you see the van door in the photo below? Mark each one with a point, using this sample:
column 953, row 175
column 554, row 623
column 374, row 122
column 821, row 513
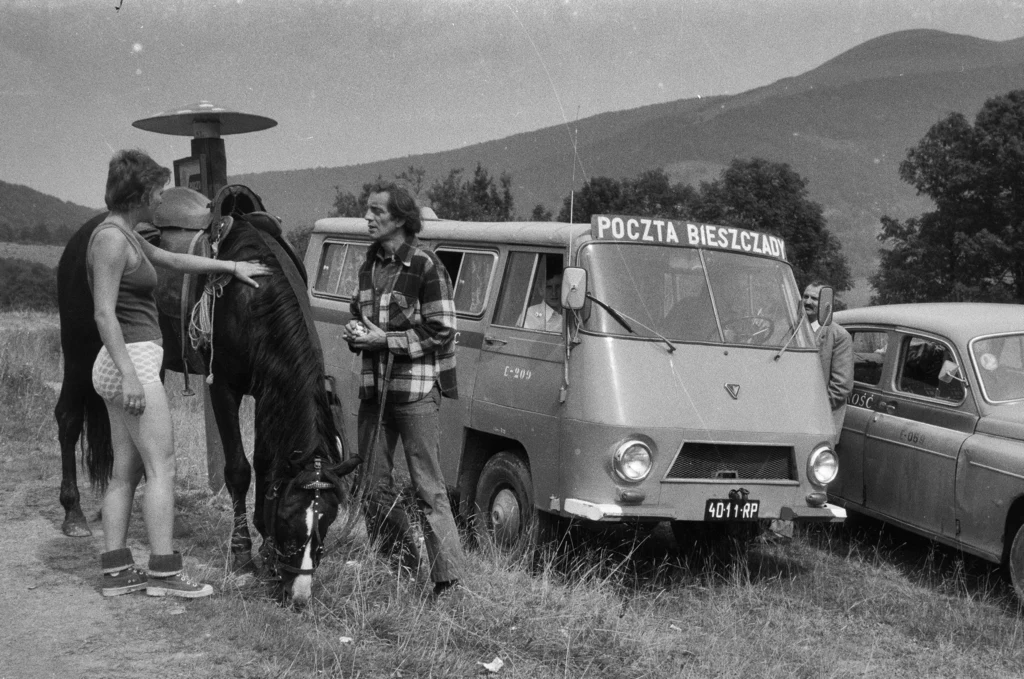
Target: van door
column 472, row 274
column 521, row 362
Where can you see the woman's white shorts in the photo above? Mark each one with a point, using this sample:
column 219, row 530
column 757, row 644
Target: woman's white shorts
column 146, row 357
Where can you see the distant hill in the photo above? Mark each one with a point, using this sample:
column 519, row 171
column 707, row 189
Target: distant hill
column 28, row 216
column 844, row 126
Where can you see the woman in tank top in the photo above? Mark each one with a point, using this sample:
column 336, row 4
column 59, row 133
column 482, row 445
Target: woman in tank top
column 127, row 375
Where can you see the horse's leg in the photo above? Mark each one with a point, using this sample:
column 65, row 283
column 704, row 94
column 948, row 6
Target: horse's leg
column 237, row 472
column 261, row 464
column 70, row 415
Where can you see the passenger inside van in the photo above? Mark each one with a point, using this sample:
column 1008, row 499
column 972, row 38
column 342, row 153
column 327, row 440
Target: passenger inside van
column 545, row 310
column 547, row 314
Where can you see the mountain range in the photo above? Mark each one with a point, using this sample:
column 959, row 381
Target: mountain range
column 844, row 126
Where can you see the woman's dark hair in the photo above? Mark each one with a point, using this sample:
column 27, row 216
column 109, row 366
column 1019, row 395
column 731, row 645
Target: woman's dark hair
column 401, row 205
column 131, row 178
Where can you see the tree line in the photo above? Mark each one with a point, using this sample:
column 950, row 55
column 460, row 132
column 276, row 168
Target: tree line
column 752, row 194
column 970, row 247
column 39, row 233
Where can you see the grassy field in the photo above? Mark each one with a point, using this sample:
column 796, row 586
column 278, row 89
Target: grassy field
column 43, row 254
column 861, row 601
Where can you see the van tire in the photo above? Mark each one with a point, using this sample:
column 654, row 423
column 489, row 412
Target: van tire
column 1015, row 563
column 505, row 510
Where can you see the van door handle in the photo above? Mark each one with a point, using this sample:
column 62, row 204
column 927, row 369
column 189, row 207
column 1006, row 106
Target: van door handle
column 889, row 408
column 491, row 339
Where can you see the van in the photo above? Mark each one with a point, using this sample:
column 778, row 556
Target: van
column 670, row 376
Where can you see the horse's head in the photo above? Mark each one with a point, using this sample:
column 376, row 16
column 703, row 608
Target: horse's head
column 299, row 509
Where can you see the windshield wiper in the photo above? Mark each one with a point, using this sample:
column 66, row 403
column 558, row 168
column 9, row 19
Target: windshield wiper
column 621, row 318
column 792, row 334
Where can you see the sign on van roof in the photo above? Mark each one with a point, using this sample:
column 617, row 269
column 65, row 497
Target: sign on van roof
column 656, row 231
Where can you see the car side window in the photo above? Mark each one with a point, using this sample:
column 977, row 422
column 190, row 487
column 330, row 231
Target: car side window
column 471, row 273
column 338, row 274
column 530, row 292
column 868, row 355
column 920, row 363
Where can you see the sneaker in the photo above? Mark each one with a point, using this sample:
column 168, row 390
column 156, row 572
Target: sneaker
column 178, row 585
column 129, row 580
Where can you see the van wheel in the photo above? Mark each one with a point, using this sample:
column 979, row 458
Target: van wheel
column 505, row 510
column 1016, row 563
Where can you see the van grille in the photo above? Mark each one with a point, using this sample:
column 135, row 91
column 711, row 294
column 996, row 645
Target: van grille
column 732, row 460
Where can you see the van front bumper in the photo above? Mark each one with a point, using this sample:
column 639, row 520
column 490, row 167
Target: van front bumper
column 594, row 511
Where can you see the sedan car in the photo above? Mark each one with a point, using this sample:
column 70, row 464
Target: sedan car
column 933, row 440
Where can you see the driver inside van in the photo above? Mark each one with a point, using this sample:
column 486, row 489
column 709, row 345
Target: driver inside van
column 547, row 314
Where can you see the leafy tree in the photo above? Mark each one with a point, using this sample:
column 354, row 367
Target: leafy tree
column 650, row 193
column 476, row 199
column 971, row 247
column 541, row 214
column 27, row 285
column 413, row 177
column 772, row 198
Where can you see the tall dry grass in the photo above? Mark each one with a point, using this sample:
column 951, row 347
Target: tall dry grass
column 860, row 602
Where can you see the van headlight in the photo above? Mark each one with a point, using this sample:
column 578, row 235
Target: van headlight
column 822, row 466
column 632, row 461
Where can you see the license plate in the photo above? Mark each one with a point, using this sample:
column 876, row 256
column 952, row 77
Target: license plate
column 731, row 510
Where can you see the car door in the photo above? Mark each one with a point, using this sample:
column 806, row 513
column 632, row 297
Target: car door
column 869, row 368
column 914, row 437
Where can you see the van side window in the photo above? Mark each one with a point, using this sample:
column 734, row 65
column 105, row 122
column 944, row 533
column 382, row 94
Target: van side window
column 470, row 273
column 530, row 292
column 339, row 269
column 868, row 355
column 920, row 364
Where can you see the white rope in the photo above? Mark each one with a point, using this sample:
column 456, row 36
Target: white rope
column 200, row 327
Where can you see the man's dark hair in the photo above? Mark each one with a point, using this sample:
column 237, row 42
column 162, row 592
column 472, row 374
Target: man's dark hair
column 131, row 177
column 401, row 205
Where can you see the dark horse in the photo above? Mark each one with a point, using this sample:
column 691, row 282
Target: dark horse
column 264, row 344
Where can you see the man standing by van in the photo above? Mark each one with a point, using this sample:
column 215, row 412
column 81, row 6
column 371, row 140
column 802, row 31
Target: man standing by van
column 404, row 326
column 835, row 348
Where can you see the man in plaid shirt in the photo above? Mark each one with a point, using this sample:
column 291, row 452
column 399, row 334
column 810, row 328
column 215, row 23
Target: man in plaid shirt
column 404, row 311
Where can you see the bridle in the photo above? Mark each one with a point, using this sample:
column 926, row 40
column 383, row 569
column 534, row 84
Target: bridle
column 317, row 479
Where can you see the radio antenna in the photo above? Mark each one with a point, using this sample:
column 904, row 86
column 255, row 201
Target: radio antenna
column 561, row 109
column 575, row 157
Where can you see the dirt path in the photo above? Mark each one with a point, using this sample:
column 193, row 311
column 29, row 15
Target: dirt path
column 54, row 622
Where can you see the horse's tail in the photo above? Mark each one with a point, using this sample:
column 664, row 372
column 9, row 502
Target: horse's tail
column 97, row 450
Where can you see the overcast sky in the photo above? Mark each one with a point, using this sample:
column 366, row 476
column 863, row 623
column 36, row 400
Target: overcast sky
column 361, row 80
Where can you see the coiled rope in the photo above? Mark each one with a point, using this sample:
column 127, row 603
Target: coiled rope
column 200, row 326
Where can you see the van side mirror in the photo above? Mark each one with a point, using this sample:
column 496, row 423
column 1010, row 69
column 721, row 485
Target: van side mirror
column 574, row 287
column 826, row 299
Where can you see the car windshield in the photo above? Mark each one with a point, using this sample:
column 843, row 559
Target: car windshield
column 690, row 295
column 999, row 362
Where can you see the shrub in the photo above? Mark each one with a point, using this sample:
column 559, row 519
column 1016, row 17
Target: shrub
column 27, row 285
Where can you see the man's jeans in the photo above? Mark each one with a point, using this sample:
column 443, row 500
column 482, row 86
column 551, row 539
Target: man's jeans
column 418, row 425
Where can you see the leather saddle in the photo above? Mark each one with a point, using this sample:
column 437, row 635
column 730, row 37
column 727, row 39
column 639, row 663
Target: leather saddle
column 188, row 222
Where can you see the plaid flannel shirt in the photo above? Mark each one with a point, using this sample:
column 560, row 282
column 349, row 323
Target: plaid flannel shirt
column 416, row 309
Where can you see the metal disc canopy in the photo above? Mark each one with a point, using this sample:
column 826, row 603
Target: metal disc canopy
column 204, row 120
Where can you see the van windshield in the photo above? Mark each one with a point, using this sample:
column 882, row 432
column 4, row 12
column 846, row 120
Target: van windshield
column 692, row 295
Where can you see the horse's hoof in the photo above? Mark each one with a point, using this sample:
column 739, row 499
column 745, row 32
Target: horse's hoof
column 76, row 528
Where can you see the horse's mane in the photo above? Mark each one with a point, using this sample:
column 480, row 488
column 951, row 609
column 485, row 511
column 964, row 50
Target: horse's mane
column 287, row 366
